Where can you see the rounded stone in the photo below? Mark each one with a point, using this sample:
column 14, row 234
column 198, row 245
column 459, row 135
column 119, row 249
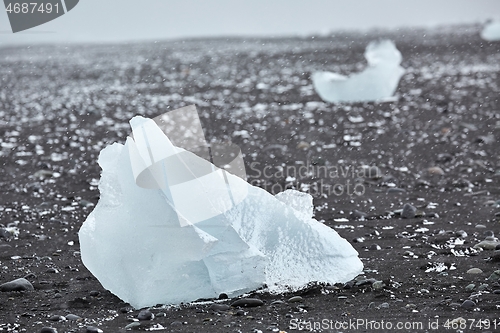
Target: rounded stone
column 408, row 211
column 475, row 271
column 48, row 330
column 219, row 307
column 295, row 299
column 247, row 302
column 17, row 285
column 145, row 315
column 92, row 329
column 468, row 304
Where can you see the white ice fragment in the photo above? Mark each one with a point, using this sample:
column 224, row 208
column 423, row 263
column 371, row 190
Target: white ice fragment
column 171, row 227
column 491, row 31
column 377, row 82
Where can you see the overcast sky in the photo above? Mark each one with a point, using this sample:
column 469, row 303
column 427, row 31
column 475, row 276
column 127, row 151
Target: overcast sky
column 124, row 20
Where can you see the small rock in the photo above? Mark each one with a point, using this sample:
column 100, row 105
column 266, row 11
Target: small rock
column 247, row 302
column 435, row 171
column 474, row 271
column 496, row 291
column 495, row 276
column 73, row 317
column 176, row 323
column 295, row 299
column 468, row 304
column 486, row 245
column 461, row 234
column 384, row 305
column 48, row 330
column 396, row 190
column 219, row 307
column 95, row 293
column 378, row 285
column 133, row 325
column 303, row 145
column 480, row 226
column 57, row 318
column 145, row 315
column 374, row 247
column 408, row 211
column 470, row 287
column 496, row 255
column 488, row 233
column 482, row 287
column 17, row 285
column 356, row 214
column 223, row 296
column 92, row 329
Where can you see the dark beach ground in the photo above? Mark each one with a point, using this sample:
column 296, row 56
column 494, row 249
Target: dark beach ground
column 60, row 105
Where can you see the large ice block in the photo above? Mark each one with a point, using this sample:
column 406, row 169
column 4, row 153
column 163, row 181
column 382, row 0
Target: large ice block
column 172, row 227
column 377, row 82
column 491, row 31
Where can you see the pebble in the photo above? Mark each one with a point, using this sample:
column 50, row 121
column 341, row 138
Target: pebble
column 482, row 287
column 73, row 317
column 470, row 287
column 408, row 211
column 495, row 276
column 374, row 247
column 176, row 323
column 95, row 293
column 396, row 190
column 486, row 245
column 356, row 214
column 488, row 233
column 496, row 291
column 145, row 315
column 435, row 171
column 17, row 285
column 57, row 318
column 295, row 299
column 384, row 305
column 480, row 226
column 461, row 234
column 474, row 271
column 92, row 329
column 378, row 285
column 219, row 307
column 247, row 302
column 496, row 255
column 48, row 330
column 133, row 325
column 223, row 296
column 468, row 304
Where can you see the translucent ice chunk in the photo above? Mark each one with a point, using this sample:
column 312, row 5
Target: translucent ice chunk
column 378, row 81
column 198, row 234
column 491, row 31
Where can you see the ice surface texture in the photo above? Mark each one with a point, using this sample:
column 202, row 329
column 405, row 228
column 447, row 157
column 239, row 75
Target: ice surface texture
column 491, row 31
column 377, row 82
column 197, row 230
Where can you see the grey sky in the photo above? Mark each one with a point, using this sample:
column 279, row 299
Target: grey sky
column 122, row 20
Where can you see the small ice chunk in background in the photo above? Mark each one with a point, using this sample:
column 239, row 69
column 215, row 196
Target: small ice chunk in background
column 491, row 31
column 377, row 82
column 171, row 227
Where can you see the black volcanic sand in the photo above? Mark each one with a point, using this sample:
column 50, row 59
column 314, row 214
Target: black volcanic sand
column 436, row 146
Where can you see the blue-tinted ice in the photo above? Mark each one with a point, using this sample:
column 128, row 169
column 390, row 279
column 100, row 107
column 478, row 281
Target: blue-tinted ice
column 377, row 82
column 491, row 31
column 171, row 227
